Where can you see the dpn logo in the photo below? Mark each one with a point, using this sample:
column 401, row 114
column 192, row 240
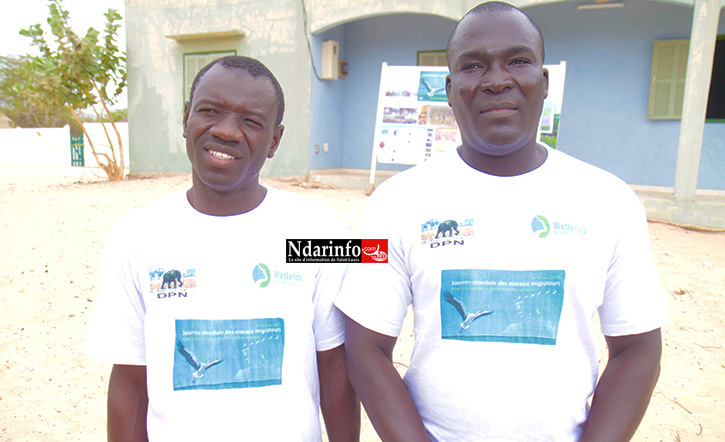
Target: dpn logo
column 172, row 282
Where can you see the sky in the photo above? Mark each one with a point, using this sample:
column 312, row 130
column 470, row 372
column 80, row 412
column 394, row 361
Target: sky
column 83, row 14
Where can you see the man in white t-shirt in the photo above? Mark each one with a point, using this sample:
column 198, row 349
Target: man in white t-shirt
column 213, row 336
column 505, row 249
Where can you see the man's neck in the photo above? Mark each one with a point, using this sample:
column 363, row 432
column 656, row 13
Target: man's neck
column 516, row 163
column 233, row 202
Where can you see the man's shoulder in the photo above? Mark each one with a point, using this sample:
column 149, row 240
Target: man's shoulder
column 591, row 186
column 162, row 208
column 145, row 223
column 582, row 173
column 282, row 196
column 426, row 174
column 293, row 203
column 304, row 213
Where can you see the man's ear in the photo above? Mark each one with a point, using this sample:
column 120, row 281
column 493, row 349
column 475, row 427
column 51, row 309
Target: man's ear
column 546, row 86
column 187, row 108
column 448, row 89
column 276, row 138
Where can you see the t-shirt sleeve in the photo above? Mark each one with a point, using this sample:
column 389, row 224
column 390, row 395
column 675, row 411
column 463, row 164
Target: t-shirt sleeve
column 377, row 295
column 329, row 322
column 116, row 329
column 633, row 300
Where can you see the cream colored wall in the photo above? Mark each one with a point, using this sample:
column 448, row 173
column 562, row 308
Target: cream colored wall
column 273, row 34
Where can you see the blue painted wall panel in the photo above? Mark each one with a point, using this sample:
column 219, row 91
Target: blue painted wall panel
column 712, row 160
column 604, row 113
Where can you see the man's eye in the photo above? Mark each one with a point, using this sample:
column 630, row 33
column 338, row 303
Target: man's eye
column 520, row 61
column 253, row 122
column 206, row 110
column 472, row 66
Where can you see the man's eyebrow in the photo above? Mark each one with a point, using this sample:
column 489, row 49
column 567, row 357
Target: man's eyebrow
column 510, row 50
column 206, row 101
column 521, row 49
column 215, row 102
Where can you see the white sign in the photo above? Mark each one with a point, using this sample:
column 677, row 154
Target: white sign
column 414, row 121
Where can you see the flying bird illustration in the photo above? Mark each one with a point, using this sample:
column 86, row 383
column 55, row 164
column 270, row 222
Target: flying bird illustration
column 431, row 89
column 468, row 318
column 200, row 367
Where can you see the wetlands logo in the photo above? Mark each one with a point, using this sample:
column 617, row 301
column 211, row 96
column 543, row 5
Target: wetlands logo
column 541, row 226
column 262, row 275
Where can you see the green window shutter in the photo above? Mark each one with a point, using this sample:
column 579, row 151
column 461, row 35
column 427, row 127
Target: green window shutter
column 432, row 58
column 193, row 64
column 667, row 79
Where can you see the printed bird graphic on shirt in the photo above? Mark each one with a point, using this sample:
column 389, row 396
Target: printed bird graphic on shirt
column 200, row 367
column 467, row 318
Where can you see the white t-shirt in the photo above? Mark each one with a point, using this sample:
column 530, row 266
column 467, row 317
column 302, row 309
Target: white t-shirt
column 504, row 275
column 228, row 331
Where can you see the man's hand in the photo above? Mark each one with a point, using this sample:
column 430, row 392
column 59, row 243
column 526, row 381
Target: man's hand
column 387, row 401
column 625, row 388
column 338, row 401
column 127, row 403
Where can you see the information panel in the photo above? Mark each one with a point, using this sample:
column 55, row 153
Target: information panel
column 414, row 121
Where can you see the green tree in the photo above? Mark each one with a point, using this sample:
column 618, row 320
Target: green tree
column 118, row 115
column 86, row 73
column 27, row 98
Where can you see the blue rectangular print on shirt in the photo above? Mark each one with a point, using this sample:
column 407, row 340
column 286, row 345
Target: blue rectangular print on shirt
column 520, row 306
column 216, row 354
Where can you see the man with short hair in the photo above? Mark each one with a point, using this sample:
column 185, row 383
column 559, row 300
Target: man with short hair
column 504, row 344
column 212, row 335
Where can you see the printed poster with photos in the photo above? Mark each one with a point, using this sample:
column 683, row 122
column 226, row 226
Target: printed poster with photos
column 414, row 121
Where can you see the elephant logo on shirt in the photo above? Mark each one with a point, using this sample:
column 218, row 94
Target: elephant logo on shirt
column 172, row 276
column 449, row 226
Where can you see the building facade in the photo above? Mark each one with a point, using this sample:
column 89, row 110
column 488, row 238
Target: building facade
column 606, row 116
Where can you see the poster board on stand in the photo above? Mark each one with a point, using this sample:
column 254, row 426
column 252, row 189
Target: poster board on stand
column 413, row 121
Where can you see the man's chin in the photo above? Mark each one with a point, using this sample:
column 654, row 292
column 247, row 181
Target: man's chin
column 496, row 150
column 221, row 183
column 500, row 144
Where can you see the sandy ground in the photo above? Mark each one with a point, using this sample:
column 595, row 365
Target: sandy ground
column 53, row 233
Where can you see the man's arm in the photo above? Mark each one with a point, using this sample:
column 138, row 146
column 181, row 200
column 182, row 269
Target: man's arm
column 625, row 388
column 383, row 393
column 127, row 403
column 338, row 401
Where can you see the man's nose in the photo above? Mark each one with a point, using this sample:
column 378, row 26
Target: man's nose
column 227, row 127
column 496, row 80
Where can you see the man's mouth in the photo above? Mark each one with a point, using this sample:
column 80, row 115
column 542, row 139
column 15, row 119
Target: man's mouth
column 499, row 108
column 220, row 155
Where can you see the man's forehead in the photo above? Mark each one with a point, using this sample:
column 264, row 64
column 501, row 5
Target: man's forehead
column 223, row 78
column 505, row 29
column 223, row 74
